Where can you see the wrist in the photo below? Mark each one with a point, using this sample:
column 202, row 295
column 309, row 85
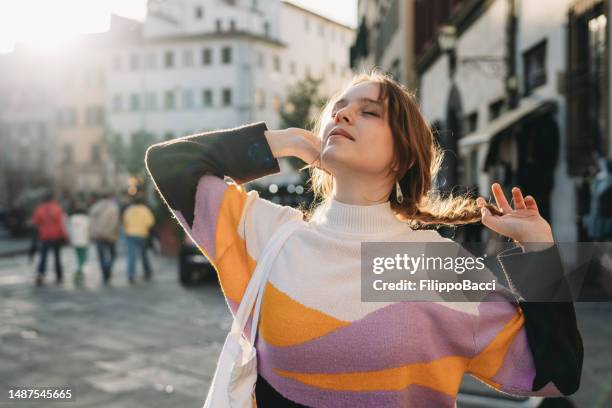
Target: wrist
column 280, row 142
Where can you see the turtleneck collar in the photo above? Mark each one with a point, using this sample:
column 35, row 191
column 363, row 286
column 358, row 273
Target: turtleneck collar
column 357, row 219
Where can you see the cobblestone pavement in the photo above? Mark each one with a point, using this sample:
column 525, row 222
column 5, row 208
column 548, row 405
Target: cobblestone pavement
column 155, row 344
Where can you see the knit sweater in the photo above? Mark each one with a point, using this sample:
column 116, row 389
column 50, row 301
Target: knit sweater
column 318, row 344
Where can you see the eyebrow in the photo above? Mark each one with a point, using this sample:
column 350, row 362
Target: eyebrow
column 360, row 100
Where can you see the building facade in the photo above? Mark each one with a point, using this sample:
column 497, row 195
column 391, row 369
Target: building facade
column 385, row 39
column 199, row 65
column 508, row 108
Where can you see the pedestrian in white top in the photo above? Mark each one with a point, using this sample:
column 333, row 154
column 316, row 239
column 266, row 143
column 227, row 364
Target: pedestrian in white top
column 78, row 228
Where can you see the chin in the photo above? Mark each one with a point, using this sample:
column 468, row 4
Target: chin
column 341, row 159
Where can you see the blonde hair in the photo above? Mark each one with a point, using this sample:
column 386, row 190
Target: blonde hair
column 417, row 156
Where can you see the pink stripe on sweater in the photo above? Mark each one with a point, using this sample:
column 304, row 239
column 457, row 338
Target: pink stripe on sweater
column 208, row 198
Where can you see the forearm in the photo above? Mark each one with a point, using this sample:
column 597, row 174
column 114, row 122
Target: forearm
column 551, row 328
column 176, row 166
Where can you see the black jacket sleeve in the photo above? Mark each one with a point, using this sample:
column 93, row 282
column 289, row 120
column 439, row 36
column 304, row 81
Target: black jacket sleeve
column 551, row 327
column 176, row 166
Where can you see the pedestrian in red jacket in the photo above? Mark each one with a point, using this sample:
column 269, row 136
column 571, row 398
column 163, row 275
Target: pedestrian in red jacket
column 50, row 220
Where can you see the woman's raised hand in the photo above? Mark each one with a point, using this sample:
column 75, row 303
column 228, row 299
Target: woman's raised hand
column 297, row 142
column 524, row 223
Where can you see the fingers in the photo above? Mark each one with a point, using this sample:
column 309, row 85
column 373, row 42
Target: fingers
column 517, row 197
column 500, row 198
column 489, row 220
column 531, row 203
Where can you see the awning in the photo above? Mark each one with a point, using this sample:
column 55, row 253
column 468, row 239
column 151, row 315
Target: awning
column 528, row 110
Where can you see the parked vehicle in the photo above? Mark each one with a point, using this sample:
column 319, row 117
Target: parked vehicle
column 193, row 265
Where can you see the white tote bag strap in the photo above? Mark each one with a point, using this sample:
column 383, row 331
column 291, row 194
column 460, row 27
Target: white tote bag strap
column 254, row 290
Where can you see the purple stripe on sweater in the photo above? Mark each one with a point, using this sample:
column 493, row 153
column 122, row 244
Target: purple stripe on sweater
column 414, row 396
column 208, row 198
column 395, row 335
column 493, row 315
column 517, row 371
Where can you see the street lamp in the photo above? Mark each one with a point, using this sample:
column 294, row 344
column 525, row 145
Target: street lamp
column 447, row 38
column 447, row 43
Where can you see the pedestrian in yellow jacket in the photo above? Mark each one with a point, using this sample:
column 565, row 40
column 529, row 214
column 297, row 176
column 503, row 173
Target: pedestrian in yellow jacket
column 137, row 222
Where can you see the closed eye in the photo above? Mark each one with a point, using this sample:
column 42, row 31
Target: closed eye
column 371, row 113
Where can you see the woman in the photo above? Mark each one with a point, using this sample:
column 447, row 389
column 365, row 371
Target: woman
column 318, row 344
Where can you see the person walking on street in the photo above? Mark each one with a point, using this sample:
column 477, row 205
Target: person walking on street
column 50, row 220
column 137, row 222
column 104, row 230
column 78, row 228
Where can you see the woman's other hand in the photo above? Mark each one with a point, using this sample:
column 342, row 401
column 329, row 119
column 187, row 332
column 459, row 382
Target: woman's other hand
column 523, row 224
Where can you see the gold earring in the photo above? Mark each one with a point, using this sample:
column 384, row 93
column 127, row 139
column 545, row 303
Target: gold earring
column 398, row 192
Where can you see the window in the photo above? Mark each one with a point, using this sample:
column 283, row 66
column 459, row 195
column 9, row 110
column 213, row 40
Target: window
column 266, row 28
column 470, row 122
column 134, row 62
column 227, row 97
column 150, row 101
column 207, row 97
column 206, row 56
column 496, row 109
column 306, row 24
column 135, row 102
column 292, row 68
column 199, row 12
column 187, row 57
column 260, row 99
column 67, row 117
column 277, row 63
column 94, row 116
column 68, row 154
column 187, row 99
column 218, row 25
column 117, row 63
column 151, row 61
column 232, row 25
column 96, row 156
column 226, row 55
column 276, row 103
column 534, row 64
column 169, row 102
column 260, row 59
column 117, row 103
column 321, row 29
column 332, row 67
column 169, row 59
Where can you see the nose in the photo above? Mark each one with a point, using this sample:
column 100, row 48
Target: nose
column 343, row 114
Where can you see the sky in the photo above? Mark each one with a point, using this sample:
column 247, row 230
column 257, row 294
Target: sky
column 48, row 23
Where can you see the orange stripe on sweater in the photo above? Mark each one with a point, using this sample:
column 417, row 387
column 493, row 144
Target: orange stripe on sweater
column 443, row 375
column 234, row 265
column 286, row 322
column 488, row 362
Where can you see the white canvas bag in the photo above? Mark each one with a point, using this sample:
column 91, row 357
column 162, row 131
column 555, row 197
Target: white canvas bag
column 234, row 381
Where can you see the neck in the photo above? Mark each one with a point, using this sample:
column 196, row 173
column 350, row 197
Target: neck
column 361, row 189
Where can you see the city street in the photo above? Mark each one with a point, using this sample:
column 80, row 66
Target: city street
column 155, row 344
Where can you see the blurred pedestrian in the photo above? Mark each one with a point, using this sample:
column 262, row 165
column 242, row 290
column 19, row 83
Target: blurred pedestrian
column 50, row 220
column 104, row 230
column 78, row 228
column 137, row 222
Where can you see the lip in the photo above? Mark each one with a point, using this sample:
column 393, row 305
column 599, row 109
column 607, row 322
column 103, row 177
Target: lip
column 341, row 132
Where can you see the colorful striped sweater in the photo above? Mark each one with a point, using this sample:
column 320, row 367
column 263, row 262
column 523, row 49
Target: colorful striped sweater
column 318, row 344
